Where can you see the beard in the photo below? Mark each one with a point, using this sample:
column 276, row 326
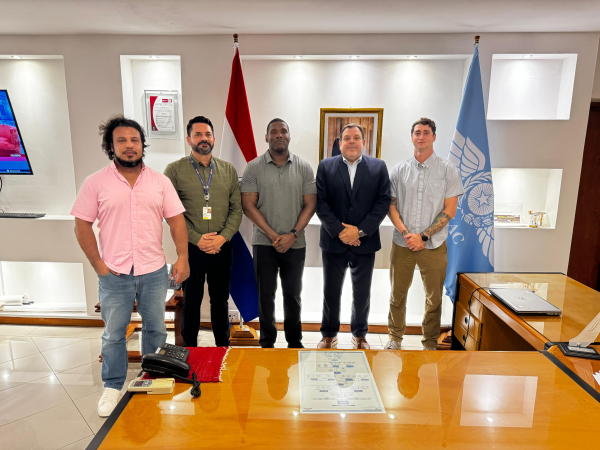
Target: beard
column 202, row 151
column 130, row 164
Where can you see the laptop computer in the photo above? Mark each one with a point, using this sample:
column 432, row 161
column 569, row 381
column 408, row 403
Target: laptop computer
column 523, row 301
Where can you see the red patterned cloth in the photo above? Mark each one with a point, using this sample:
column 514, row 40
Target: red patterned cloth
column 207, row 362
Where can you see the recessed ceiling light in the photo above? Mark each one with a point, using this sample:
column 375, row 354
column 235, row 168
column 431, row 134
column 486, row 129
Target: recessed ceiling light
column 298, row 57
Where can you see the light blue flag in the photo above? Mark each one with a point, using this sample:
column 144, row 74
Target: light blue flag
column 471, row 232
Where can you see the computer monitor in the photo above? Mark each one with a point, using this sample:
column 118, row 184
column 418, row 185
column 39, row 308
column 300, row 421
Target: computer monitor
column 13, row 156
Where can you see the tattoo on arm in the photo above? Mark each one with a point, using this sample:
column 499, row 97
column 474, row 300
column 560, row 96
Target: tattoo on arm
column 440, row 222
column 403, row 232
column 394, row 201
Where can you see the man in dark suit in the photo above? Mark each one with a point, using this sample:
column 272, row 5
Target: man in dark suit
column 353, row 197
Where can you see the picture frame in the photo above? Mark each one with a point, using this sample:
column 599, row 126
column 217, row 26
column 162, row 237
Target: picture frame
column 162, row 114
column 334, row 119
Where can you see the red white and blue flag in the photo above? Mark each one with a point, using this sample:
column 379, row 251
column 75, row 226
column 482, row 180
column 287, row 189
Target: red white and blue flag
column 238, row 147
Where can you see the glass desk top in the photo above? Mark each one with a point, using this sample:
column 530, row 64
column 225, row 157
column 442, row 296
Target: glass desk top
column 579, row 303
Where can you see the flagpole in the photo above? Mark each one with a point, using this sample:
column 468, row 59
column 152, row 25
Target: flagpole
column 476, row 39
column 235, row 42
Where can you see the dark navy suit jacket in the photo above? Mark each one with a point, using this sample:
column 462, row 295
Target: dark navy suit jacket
column 364, row 205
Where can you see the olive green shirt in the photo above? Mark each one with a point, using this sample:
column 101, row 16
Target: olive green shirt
column 225, row 199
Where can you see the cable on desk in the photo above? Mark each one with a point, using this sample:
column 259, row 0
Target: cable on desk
column 195, row 391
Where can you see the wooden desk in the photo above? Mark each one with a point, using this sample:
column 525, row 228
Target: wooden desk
column 433, row 400
column 581, row 368
column 489, row 325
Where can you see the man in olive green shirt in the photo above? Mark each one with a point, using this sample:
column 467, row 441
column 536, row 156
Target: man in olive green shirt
column 210, row 192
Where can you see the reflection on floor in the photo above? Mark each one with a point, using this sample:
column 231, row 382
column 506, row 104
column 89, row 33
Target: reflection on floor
column 50, row 381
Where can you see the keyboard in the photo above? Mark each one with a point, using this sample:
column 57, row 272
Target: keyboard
column 4, row 215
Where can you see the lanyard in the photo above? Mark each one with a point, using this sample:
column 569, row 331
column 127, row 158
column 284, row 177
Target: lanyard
column 207, row 185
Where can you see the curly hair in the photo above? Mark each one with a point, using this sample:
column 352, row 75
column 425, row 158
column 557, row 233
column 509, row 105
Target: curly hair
column 424, row 121
column 107, row 128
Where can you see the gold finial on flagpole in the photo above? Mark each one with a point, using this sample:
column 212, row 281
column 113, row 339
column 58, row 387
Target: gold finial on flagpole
column 235, row 38
column 477, row 39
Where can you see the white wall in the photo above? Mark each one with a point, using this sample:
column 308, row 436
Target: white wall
column 94, row 92
column 38, row 93
column 406, row 90
column 140, row 75
column 596, row 88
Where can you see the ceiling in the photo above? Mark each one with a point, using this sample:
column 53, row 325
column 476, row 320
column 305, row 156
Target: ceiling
column 186, row 17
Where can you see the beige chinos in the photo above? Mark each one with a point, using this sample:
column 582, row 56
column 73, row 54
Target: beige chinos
column 432, row 265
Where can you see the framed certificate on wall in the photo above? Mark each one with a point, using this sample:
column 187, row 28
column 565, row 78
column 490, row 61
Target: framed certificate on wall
column 162, row 114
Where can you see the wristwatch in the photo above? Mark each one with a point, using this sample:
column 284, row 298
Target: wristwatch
column 294, row 233
column 361, row 233
column 424, row 237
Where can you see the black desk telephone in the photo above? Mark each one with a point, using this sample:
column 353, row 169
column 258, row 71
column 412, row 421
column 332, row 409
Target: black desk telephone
column 170, row 361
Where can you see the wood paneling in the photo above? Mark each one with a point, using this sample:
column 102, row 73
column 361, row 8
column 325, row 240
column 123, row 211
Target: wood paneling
column 584, row 260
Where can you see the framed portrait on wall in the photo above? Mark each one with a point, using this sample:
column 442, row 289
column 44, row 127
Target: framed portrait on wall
column 162, row 114
column 334, row 119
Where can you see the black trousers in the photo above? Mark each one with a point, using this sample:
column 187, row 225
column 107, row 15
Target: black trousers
column 334, row 272
column 290, row 265
column 216, row 269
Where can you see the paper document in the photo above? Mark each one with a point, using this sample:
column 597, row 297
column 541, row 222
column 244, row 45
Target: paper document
column 337, row 382
column 588, row 335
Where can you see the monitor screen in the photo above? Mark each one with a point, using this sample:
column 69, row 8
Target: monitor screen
column 13, row 157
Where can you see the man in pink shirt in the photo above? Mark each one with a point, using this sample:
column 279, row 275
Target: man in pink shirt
column 129, row 200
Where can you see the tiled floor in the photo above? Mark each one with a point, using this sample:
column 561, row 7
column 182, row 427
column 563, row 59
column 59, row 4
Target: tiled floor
column 50, row 381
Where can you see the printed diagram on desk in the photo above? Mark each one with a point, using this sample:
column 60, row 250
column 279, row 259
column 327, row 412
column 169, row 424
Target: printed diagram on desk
column 336, row 382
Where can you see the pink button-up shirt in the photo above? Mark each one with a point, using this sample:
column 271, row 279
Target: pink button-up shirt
column 129, row 219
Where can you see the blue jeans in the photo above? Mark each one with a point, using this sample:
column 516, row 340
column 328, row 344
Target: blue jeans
column 117, row 297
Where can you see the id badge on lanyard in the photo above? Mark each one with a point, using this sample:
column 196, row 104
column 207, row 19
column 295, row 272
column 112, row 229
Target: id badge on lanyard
column 207, row 210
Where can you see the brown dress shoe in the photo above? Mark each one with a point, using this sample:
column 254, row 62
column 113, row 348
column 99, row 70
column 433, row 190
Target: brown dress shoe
column 360, row 343
column 328, row 342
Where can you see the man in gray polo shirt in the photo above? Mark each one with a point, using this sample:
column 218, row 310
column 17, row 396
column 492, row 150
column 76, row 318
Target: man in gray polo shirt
column 425, row 190
column 279, row 196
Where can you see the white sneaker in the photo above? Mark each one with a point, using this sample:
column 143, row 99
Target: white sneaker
column 392, row 345
column 108, row 401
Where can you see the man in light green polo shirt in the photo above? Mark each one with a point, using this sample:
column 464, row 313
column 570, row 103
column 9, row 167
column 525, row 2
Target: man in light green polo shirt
column 279, row 196
column 210, row 192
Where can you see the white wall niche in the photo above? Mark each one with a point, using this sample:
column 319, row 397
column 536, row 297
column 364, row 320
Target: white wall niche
column 36, row 85
column 54, row 287
column 527, row 189
column 141, row 73
column 531, row 86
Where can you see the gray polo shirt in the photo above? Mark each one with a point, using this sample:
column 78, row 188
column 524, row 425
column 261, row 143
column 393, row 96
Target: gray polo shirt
column 280, row 191
column 420, row 190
